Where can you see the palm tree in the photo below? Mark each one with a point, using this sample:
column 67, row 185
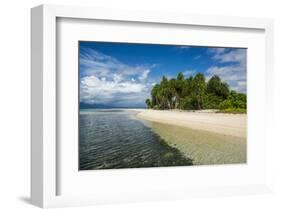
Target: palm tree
column 193, row 93
column 199, row 88
column 148, row 103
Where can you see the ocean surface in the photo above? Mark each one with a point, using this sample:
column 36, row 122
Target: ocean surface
column 114, row 138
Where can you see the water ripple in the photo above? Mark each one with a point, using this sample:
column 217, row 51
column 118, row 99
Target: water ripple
column 113, row 139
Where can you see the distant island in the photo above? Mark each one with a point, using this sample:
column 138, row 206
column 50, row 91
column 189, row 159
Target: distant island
column 195, row 93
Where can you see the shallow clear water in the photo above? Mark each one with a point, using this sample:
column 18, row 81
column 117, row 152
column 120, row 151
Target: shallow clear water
column 204, row 148
column 110, row 139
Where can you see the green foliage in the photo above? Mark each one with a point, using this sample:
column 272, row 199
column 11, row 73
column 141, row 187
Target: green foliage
column 194, row 93
column 234, row 111
column 226, row 104
column 198, row 90
column 148, row 103
column 239, row 100
column 211, row 101
column 218, row 88
column 180, row 77
column 187, row 103
column 179, row 84
column 187, row 87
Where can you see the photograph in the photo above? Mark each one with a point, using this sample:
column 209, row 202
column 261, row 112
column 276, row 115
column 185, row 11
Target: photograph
column 161, row 105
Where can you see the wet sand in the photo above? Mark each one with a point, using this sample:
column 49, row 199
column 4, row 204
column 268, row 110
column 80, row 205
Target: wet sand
column 205, row 137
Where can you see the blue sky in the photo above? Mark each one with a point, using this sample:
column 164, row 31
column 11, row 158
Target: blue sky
column 122, row 74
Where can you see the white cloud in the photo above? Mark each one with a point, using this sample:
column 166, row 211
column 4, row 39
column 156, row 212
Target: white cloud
column 144, row 75
column 106, row 80
column 117, row 78
column 237, row 56
column 95, row 90
column 234, row 73
column 216, row 50
column 99, row 64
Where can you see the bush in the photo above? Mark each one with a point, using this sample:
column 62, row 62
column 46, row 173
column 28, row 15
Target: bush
column 233, row 111
column 225, row 104
column 212, row 101
column 187, row 103
column 238, row 100
column 239, row 104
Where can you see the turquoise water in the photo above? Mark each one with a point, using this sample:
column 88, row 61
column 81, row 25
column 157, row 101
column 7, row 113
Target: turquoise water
column 113, row 138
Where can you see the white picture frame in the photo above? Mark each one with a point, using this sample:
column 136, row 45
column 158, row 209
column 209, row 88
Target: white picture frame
column 44, row 155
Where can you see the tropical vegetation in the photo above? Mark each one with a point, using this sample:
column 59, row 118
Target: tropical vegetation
column 195, row 93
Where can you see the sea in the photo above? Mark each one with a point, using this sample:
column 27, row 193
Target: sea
column 115, row 139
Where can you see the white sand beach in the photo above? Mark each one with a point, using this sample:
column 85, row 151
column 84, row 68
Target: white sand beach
column 203, row 136
column 221, row 123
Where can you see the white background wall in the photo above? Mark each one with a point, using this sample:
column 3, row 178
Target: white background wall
column 15, row 98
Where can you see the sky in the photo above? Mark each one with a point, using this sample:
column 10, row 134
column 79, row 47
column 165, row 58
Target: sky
column 123, row 74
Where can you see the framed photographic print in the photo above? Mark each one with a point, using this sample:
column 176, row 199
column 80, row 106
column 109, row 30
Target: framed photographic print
column 130, row 106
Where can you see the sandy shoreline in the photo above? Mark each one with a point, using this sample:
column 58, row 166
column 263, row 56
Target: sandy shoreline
column 225, row 124
column 205, row 137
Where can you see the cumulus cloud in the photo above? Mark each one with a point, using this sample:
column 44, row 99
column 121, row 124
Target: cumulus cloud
column 96, row 90
column 144, row 75
column 231, row 67
column 99, row 64
column 106, row 80
column 216, row 50
column 236, row 55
